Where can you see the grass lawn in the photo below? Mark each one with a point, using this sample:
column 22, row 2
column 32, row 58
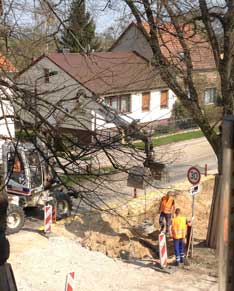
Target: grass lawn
column 172, row 138
column 77, row 178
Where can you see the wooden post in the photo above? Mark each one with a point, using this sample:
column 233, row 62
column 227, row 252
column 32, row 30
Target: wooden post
column 134, row 193
column 226, row 231
column 206, row 169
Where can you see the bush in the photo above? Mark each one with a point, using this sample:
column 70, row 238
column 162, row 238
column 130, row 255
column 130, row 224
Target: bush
column 163, row 129
column 24, row 136
column 186, row 123
column 213, row 112
column 179, row 112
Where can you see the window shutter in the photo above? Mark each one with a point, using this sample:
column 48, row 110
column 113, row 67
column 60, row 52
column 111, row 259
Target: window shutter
column 146, row 101
column 164, row 99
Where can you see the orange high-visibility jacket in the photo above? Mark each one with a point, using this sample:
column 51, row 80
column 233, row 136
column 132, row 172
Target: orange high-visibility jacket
column 167, row 205
column 179, row 227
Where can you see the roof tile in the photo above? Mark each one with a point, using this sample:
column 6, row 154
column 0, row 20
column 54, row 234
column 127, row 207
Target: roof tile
column 105, row 73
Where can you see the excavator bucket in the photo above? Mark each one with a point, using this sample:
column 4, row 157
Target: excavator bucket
column 157, row 170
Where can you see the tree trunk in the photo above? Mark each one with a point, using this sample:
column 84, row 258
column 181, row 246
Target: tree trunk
column 213, row 226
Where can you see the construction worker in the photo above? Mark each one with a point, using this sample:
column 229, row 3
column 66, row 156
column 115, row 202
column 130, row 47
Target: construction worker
column 17, row 166
column 166, row 209
column 178, row 232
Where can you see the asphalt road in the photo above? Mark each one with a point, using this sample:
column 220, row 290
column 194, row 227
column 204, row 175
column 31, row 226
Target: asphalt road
column 185, row 154
column 178, row 156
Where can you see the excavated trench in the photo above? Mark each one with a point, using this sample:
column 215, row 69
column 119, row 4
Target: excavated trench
column 124, row 236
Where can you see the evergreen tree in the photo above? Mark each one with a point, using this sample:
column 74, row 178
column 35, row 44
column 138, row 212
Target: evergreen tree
column 80, row 32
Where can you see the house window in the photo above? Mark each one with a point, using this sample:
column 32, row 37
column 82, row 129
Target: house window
column 164, row 99
column 121, row 104
column 46, row 75
column 145, row 101
column 210, row 96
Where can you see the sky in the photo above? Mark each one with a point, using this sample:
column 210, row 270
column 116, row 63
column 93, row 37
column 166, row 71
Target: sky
column 104, row 16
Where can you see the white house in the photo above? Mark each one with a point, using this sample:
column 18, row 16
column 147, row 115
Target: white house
column 125, row 81
column 7, row 123
column 205, row 74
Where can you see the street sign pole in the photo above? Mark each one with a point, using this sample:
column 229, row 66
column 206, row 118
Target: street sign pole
column 193, row 209
column 194, row 177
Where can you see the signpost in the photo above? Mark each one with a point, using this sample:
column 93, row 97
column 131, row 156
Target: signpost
column 194, row 177
column 194, row 190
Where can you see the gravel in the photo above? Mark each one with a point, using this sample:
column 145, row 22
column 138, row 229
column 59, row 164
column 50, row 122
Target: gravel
column 41, row 264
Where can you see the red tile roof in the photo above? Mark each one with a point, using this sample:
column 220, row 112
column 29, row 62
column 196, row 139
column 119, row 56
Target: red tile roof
column 200, row 49
column 6, row 65
column 109, row 72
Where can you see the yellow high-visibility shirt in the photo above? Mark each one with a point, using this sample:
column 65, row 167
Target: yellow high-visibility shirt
column 179, row 227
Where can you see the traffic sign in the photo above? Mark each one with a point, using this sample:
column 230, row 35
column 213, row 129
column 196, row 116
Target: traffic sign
column 194, row 189
column 194, row 175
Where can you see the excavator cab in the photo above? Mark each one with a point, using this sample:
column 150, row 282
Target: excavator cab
column 23, row 169
column 28, row 182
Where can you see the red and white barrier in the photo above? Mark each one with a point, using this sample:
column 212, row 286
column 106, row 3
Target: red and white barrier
column 70, row 282
column 47, row 218
column 162, row 249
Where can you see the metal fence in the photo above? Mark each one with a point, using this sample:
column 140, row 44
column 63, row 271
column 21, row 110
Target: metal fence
column 173, row 126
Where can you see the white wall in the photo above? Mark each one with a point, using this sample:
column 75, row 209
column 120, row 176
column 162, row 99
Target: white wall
column 155, row 112
column 66, row 88
column 7, row 125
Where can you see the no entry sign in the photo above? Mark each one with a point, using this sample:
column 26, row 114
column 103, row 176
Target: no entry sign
column 194, row 175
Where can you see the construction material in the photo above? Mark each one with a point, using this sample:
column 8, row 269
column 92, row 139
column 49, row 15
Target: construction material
column 162, row 250
column 47, row 219
column 70, row 282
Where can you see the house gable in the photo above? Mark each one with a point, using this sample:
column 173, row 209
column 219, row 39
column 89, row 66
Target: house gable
column 132, row 39
column 59, row 94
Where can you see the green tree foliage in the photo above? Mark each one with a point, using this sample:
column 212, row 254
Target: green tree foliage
column 80, row 32
column 179, row 111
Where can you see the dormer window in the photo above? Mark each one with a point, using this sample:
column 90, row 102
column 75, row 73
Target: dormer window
column 46, row 75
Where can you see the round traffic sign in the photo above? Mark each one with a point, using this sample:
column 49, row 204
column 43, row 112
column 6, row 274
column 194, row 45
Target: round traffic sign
column 193, row 175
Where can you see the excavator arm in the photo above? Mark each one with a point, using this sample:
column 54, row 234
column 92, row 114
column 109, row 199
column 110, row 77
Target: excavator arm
column 130, row 129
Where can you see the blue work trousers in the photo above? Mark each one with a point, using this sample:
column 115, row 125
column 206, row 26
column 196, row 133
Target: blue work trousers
column 167, row 217
column 179, row 250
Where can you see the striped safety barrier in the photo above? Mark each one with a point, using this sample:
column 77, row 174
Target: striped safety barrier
column 47, row 218
column 162, row 249
column 70, row 282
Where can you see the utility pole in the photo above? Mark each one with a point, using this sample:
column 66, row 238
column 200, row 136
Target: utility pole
column 226, row 231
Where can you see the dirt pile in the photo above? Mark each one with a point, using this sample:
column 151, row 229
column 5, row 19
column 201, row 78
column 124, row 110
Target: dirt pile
column 121, row 236
column 44, row 263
